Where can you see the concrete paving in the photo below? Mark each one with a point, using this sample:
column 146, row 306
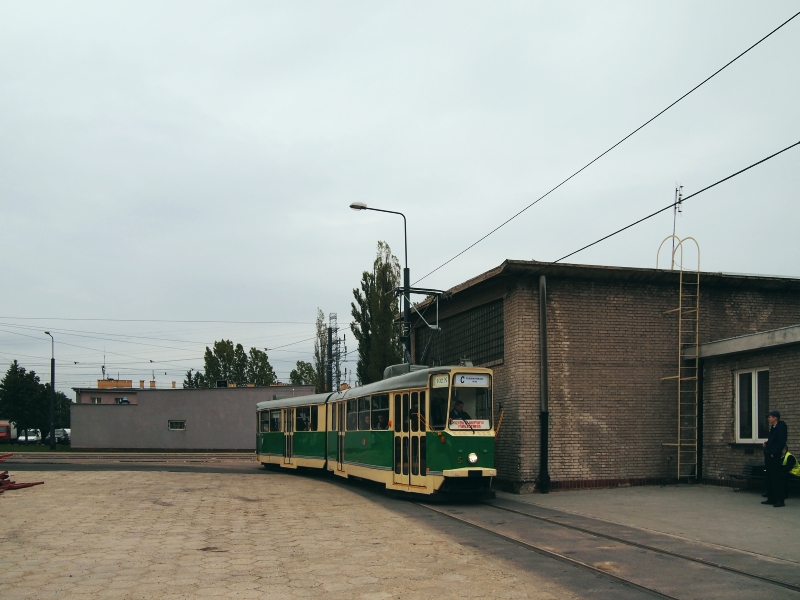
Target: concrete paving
column 149, row 534
column 710, row 514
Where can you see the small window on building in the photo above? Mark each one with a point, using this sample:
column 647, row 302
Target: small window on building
column 121, row 401
column 177, row 425
column 264, row 420
column 275, row 420
column 302, row 418
column 314, row 418
column 752, row 405
column 95, row 400
column 364, row 420
column 352, row 415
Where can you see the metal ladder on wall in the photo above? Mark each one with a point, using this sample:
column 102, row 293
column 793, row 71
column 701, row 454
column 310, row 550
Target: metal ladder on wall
column 688, row 312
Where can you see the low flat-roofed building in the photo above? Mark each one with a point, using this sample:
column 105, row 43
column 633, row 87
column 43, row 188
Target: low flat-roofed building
column 743, row 378
column 171, row 418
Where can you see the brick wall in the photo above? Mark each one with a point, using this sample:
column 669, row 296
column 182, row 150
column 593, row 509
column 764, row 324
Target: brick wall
column 609, row 346
column 721, row 455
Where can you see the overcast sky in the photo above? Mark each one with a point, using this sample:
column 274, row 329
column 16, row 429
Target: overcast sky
column 190, row 161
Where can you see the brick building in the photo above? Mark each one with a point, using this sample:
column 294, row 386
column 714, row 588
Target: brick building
column 611, row 342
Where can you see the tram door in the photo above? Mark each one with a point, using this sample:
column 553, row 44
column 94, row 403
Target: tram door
column 409, row 438
column 288, row 435
column 417, row 438
column 340, row 420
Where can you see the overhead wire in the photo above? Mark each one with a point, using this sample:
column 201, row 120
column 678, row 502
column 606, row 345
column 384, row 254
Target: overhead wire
column 667, row 207
column 601, row 155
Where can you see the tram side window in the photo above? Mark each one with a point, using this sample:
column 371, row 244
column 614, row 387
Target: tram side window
column 264, row 421
column 439, row 408
column 352, row 415
column 333, row 415
column 414, row 411
column 275, row 420
column 314, row 418
column 380, row 412
column 398, row 413
column 363, row 413
column 302, row 418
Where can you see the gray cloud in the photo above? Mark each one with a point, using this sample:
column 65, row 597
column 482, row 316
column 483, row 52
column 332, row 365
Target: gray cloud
column 195, row 160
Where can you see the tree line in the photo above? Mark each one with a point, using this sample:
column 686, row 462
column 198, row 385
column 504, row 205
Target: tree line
column 25, row 400
column 226, row 362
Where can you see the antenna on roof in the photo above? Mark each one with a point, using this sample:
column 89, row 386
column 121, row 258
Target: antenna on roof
column 676, row 208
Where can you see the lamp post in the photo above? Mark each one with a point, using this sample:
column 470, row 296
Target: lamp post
column 406, row 338
column 52, row 391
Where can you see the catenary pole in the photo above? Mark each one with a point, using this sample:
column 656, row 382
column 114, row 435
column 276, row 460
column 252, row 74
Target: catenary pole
column 406, row 338
column 52, row 391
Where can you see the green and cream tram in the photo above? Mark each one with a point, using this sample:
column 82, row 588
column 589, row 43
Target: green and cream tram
column 426, row 431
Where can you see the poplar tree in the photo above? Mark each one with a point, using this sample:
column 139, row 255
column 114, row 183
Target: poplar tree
column 320, row 354
column 375, row 310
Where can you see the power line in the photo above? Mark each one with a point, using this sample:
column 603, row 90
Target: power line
column 587, row 165
column 159, row 321
column 667, row 207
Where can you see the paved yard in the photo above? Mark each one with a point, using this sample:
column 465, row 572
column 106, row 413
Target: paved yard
column 705, row 513
column 124, row 534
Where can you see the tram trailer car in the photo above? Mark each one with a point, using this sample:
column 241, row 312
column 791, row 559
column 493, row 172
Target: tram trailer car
column 401, row 431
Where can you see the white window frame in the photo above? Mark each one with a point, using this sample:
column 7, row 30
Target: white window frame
column 171, row 421
column 754, row 396
column 95, row 400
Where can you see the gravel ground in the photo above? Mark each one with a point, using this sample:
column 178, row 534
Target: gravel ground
column 123, row 534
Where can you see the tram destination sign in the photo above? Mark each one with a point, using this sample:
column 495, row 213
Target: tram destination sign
column 470, row 380
column 474, row 424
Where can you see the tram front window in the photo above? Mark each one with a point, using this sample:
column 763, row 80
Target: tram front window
column 471, row 402
column 439, row 408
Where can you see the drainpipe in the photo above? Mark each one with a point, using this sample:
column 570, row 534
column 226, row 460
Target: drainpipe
column 544, row 415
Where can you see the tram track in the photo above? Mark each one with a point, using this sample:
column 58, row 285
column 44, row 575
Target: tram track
column 654, row 571
column 554, row 555
column 708, row 563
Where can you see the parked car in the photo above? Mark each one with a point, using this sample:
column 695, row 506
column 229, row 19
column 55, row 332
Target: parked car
column 62, row 436
column 30, row 436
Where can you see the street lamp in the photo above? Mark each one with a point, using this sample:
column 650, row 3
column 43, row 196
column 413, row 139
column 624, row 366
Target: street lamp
column 406, row 339
column 52, row 391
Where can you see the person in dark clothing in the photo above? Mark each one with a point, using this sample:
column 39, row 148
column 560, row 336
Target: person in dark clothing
column 773, row 457
column 458, row 412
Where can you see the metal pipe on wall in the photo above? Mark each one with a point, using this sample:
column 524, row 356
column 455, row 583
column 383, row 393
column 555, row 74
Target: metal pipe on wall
column 544, row 414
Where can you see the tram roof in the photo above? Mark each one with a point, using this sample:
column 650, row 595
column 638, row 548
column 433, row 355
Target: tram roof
column 407, row 380
column 414, row 379
column 294, row 401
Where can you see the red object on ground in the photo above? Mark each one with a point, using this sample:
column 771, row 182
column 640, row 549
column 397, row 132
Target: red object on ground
column 7, row 484
column 3, row 457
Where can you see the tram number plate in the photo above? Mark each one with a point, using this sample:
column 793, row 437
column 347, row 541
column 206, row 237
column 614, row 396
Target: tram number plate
column 440, row 381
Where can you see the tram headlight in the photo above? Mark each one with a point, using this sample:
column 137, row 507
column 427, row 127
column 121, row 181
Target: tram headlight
column 472, row 458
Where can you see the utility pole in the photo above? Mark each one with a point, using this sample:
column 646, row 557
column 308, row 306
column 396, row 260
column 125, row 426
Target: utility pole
column 52, row 391
column 329, row 361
